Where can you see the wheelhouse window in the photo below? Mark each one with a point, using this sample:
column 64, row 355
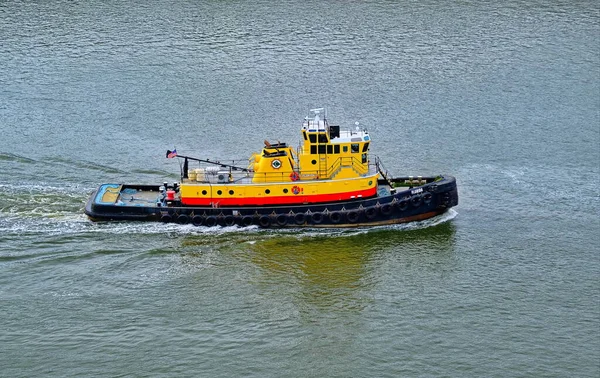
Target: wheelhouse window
column 355, row 148
column 365, row 147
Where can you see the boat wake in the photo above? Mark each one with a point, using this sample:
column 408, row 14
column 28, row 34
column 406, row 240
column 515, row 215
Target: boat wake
column 65, row 223
column 349, row 232
column 191, row 230
column 27, row 209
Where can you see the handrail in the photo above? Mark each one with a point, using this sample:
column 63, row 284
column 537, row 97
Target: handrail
column 384, row 172
column 317, row 174
column 284, row 176
column 345, row 162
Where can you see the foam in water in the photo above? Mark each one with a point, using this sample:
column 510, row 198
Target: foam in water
column 76, row 223
column 47, row 209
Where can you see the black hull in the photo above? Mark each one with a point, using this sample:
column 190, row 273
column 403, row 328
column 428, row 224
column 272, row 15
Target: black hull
column 406, row 204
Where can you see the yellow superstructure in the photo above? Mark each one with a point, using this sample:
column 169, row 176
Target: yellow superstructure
column 330, row 165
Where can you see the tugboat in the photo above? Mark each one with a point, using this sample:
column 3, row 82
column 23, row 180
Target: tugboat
column 330, row 180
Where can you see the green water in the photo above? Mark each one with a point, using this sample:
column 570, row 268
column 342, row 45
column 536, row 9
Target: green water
column 506, row 97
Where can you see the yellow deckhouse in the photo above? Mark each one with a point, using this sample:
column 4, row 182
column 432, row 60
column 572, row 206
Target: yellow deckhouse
column 331, row 164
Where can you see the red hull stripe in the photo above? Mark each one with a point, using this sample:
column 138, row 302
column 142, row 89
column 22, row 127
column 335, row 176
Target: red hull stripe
column 277, row 200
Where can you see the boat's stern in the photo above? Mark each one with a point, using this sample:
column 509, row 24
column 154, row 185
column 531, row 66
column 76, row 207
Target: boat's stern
column 124, row 202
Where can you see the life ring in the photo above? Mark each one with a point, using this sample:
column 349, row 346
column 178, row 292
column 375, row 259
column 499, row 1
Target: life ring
column 183, row 219
column 316, row 218
column 371, row 213
column 427, row 197
column 299, row 218
column 229, row 220
column 281, row 220
column 295, row 189
column 386, row 209
column 294, row 176
column 210, row 221
column 197, row 220
column 276, row 163
column 264, row 221
column 416, row 200
column 352, row 216
column 403, row 205
column 166, row 218
column 335, row 217
column 247, row 221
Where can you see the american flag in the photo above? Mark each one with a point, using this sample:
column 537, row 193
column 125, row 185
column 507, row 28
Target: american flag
column 171, row 154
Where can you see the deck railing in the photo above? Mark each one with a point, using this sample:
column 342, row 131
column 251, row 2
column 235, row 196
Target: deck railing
column 315, row 174
column 223, row 176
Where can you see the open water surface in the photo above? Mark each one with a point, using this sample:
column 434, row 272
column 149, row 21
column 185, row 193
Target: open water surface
column 503, row 95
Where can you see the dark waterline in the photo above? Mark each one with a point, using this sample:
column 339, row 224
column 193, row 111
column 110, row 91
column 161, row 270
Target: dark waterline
column 504, row 96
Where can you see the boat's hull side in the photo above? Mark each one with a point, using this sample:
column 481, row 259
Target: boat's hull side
column 280, row 200
column 277, row 193
column 406, row 205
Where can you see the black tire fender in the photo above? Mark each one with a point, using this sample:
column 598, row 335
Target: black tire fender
column 210, row 221
column 264, row 221
column 427, row 197
column 281, row 220
column 403, row 205
column 335, row 217
column 183, row 219
column 371, row 212
column 352, row 216
column 197, row 220
column 247, row 221
column 229, row 220
column 316, row 218
column 416, row 200
column 386, row 209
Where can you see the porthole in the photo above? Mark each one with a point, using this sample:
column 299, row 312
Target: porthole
column 285, row 190
column 219, row 192
column 267, row 191
column 370, row 182
column 204, row 192
column 231, row 191
column 313, row 162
